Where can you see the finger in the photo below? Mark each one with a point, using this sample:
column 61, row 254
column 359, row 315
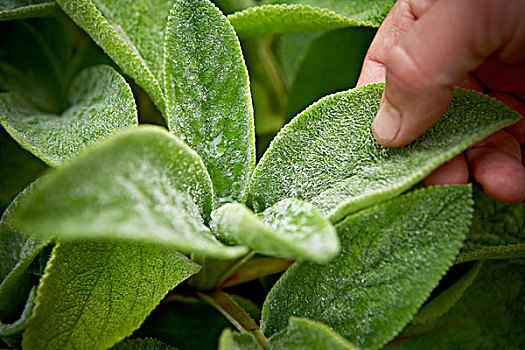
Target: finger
column 496, row 164
column 504, row 77
column 453, row 172
column 401, row 17
column 437, row 52
column 517, row 129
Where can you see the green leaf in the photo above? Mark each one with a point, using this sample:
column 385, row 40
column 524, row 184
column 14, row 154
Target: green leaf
column 237, row 341
column 18, row 168
column 309, row 16
column 94, row 294
column 328, row 156
column 17, row 252
column 208, row 94
column 142, row 344
column 185, row 323
column 131, row 32
column 291, row 228
column 393, row 255
column 140, row 185
column 509, row 251
column 446, row 300
column 331, row 62
column 101, row 104
column 497, row 231
column 16, row 9
column 12, row 333
column 489, row 315
column 301, row 333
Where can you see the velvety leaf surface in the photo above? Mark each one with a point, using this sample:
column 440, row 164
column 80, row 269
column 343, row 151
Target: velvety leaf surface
column 489, row 315
column 17, row 252
column 290, row 229
column 141, row 185
column 18, row 168
column 94, row 294
column 309, row 15
column 187, row 324
column 497, row 231
column 301, row 333
column 208, row 94
column 495, row 223
column 393, row 255
column 142, row 344
column 237, row 341
column 328, row 156
column 15, row 9
column 131, row 32
column 273, row 19
column 101, row 103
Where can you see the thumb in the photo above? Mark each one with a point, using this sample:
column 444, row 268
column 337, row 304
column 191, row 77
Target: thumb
column 451, row 39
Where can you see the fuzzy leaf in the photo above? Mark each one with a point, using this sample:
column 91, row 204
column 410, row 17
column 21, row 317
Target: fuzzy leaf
column 142, row 344
column 497, row 231
column 301, row 333
column 17, row 252
column 131, row 32
column 309, row 15
column 446, row 299
column 208, row 94
column 290, row 229
column 16, row 9
column 393, row 255
column 489, row 315
column 141, row 185
column 328, row 156
column 94, row 294
column 237, row 341
column 101, row 103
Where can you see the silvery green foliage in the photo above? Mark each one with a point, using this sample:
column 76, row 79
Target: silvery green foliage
column 127, row 202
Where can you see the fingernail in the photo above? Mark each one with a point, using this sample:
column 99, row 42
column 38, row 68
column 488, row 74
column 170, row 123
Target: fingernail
column 387, row 123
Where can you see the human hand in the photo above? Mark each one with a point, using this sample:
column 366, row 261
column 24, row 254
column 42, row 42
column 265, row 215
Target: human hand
column 426, row 47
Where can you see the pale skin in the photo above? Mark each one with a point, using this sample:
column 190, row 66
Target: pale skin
column 426, row 47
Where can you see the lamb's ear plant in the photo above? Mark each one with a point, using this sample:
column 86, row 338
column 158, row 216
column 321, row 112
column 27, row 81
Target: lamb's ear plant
column 152, row 237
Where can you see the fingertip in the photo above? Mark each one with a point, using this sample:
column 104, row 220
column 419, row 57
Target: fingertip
column 496, row 164
column 502, row 177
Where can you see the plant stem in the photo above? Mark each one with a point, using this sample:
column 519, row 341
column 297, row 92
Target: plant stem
column 235, row 314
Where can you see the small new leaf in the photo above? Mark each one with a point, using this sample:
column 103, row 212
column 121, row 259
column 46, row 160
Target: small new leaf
column 290, row 229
